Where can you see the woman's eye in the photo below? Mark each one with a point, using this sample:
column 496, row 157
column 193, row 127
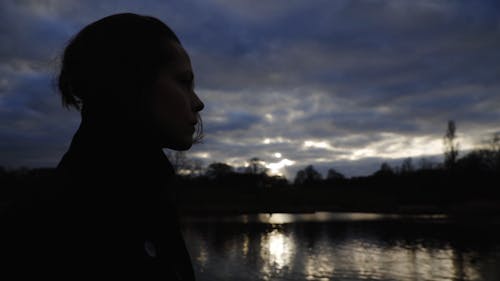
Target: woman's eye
column 186, row 82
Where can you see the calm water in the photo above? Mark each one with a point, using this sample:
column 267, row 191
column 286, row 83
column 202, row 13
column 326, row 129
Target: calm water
column 327, row 246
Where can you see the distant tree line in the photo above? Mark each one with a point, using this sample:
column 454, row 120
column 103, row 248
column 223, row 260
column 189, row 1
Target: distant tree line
column 476, row 174
column 485, row 160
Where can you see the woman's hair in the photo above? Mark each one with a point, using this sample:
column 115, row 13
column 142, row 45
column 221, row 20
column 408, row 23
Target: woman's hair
column 113, row 60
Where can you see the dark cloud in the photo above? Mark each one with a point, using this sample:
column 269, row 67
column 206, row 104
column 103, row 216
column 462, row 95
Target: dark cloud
column 357, row 81
column 232, row 121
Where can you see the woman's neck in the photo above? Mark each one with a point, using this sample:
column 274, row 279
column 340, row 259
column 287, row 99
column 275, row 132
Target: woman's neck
column 115, row 129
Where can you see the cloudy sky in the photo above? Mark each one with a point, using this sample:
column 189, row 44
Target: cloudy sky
column 341, row 84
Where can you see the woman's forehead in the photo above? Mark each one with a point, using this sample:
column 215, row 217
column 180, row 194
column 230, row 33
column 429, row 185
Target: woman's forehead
column 180, row 53
column 180, row 61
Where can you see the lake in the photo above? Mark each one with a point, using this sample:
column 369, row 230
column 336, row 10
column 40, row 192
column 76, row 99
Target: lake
column 348, row 246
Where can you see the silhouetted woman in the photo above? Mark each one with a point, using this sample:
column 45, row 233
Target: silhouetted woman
column 112, row 214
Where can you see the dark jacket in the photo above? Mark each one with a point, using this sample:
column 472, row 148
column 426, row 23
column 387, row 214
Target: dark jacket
column 109, row 213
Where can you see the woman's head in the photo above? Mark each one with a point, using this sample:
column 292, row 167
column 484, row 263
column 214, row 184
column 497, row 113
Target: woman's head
column 132, row 68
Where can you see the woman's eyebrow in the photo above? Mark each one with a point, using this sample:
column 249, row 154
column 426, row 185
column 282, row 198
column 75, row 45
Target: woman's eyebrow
column 187, row 74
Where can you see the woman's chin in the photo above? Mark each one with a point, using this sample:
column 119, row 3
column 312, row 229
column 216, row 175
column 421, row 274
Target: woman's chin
column 180, row 145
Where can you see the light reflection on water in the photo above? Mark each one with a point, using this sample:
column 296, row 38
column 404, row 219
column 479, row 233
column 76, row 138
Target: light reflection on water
column 278, row 250
column 284, row 218
column 280, row 218
column 333, row 247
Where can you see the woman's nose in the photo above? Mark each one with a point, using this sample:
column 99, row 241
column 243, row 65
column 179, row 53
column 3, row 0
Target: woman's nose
column 197, row 104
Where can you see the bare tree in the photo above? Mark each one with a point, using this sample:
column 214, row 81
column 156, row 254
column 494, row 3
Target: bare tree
column 218, row 169
column 407, row 166
column 308, row 175
column 425, row 164
column 491, row 151
column 494, row 142
column 179, row 160
column 256, row 166
column 385, row 170
column 334, row 175
column 196, row 167
column 451, row 146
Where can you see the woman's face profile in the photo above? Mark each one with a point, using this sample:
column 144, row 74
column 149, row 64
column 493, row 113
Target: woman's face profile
column 174, row 104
